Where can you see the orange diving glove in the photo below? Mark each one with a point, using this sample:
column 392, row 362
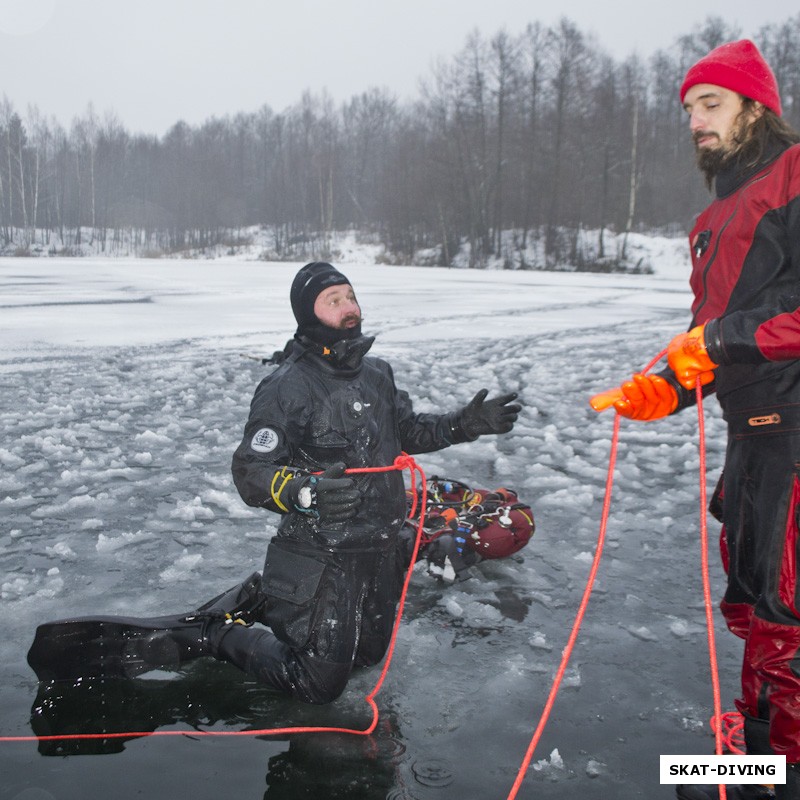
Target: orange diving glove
column 644, row 397
column 688, row 358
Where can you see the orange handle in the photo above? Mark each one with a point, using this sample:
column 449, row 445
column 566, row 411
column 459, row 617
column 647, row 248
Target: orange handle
column 604, row 400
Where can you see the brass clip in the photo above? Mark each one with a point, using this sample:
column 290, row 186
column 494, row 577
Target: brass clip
column 772, row 419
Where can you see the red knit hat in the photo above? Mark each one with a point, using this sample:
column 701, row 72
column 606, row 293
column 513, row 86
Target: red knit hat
column 740, row 67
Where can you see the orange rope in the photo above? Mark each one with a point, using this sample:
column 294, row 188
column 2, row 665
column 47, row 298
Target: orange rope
column 406, row 462
column 567, row 652
column 401, row 462
column 709, row 609
column 731, row 725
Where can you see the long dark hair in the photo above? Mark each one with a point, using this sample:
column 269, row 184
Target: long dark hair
column 757, row 134
column 762, row 134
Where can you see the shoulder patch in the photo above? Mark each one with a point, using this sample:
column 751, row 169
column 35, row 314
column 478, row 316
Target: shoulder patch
column 264, row 440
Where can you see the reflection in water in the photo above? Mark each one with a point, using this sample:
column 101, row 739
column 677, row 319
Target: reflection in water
column 339, row 767
column 212, row 696
column 206, row 695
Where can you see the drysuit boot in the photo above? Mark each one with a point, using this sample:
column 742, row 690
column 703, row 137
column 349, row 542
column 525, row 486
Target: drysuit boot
column 183, row 638
column 756, row 737
column 260, row 654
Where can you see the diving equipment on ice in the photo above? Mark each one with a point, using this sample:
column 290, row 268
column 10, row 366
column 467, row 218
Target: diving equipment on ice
column 465, row 526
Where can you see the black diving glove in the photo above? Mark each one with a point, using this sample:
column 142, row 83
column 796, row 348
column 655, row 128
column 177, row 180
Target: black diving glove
column 484, row 416
column 328, row 496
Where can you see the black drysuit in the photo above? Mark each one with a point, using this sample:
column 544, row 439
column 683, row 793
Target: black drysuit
column 746, row 283
column 332, row 589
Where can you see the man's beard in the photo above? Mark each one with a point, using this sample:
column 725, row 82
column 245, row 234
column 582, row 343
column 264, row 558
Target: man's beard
column 326, row 335
column 713, row 160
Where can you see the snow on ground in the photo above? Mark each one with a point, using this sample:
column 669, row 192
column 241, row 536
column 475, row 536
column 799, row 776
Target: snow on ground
column 125, row 388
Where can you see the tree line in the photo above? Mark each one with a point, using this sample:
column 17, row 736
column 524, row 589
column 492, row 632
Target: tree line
column 517, row 139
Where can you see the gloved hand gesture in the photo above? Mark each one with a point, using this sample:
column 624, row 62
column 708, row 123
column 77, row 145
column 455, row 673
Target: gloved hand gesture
column 688, row 358
column 484, row 416
column 328, row 496
column 644, row 397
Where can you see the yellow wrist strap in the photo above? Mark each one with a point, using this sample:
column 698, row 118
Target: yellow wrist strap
column 284, row 475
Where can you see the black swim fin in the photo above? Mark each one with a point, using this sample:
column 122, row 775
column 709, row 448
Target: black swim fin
column 123, row 647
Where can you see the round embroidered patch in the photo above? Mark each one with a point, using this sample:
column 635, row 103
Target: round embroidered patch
column 264, row 440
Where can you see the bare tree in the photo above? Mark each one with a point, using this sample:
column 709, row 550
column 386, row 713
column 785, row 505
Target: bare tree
column 540, row 134
column 17, row 140
column 367, row 125
column 84, row 133
column 533, row 46
column 40, row 146
column 568, row 53
column 6, row 203
column 505, row 53
column 779, row 44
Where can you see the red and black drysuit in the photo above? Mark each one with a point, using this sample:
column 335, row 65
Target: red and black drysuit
column 332, row 590
column 746, row 283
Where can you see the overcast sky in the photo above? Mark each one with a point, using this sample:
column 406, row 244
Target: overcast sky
column 153, row 62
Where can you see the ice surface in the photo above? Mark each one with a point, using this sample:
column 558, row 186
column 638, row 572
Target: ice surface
column 118, row 423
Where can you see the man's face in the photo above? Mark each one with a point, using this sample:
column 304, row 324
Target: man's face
column 718, row 124
column 713, row 116
column 337, row 307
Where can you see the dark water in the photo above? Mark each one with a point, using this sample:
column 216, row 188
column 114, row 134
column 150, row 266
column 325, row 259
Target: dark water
column 450, row 727
column 92, row 525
